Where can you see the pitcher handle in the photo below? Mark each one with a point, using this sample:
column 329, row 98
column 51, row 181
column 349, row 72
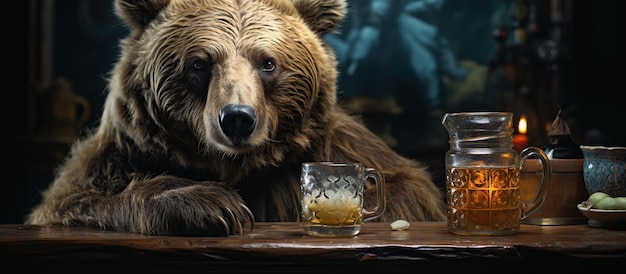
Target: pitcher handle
column 381, row 204
column 530, row 208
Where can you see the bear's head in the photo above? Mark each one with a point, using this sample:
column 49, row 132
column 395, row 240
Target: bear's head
column 224, row 78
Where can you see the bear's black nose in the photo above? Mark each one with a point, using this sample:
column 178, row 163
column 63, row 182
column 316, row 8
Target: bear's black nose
column 237, row 122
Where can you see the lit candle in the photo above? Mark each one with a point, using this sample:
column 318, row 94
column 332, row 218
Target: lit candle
column 520, row 141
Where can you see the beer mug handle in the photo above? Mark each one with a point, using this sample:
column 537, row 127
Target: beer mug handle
column 381, row 204
column 530, row 208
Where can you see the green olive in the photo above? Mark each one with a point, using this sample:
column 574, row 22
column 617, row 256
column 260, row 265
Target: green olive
column 621, row 201
column 596, row 197
column 608, row 203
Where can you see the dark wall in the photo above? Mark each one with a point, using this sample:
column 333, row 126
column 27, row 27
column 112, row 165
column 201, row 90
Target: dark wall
column 14, row 79
column 597, row 69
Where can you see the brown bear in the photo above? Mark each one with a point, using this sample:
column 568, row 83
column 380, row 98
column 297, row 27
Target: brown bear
column 212, row 108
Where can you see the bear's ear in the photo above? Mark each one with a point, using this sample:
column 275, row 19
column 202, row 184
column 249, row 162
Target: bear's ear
column 139, row 13
column 322, row 16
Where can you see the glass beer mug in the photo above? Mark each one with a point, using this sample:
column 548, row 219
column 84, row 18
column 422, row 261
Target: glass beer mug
column 482, row 175
column 332, row 197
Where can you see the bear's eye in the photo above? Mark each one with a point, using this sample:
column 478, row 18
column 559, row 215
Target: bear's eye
column 200, row 65
column 269, row 66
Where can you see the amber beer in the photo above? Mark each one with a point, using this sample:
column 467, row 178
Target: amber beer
column 335, row 212
column 483, row 200
column 332, row 211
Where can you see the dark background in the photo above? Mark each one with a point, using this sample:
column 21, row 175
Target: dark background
column 85, row 36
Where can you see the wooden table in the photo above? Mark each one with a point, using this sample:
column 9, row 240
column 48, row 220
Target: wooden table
column 282, row 247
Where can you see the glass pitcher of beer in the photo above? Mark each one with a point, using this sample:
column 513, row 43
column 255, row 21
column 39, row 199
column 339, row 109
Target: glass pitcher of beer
column 482, row 174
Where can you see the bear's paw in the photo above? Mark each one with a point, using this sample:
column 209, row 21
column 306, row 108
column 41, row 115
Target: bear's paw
column 203, row 209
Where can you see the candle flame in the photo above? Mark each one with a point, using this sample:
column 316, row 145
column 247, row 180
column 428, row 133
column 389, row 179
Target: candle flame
column 522, row 127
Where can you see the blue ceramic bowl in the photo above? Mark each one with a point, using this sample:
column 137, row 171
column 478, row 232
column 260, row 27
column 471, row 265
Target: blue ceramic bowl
column 604, row 169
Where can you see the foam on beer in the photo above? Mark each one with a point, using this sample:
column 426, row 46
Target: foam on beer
column 339, row 209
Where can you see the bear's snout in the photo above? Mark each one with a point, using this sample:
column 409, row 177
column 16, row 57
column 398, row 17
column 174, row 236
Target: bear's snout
column 237, row 122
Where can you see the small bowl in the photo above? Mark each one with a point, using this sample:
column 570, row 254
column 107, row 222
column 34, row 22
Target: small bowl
column 604, row 217
column 604, row 169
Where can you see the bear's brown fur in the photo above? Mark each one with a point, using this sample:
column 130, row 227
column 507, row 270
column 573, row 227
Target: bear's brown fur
column 212, row 108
